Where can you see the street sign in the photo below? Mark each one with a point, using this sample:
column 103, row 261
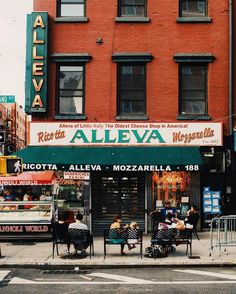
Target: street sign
column 2, row 137
column 7, row 99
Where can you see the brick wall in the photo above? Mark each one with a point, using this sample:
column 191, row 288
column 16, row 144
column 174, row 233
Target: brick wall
column 162, row 37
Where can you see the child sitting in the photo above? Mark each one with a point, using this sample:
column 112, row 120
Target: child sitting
column 132, row 242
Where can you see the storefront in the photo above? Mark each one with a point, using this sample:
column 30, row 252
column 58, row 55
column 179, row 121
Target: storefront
column 27, row 205
column 131, row 167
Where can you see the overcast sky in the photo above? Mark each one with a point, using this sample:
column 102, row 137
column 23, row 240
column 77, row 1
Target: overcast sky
column 13, row 46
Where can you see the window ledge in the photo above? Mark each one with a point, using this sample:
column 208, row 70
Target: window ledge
column 128, row 117
column 194, row 117
column 194, row 19
column 71, row 19
column 70, row 117
column 132, row 19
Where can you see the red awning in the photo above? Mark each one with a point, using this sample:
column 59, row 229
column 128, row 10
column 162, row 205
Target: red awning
column 30, row 178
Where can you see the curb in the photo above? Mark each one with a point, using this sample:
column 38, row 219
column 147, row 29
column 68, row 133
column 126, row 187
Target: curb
column 48, row 265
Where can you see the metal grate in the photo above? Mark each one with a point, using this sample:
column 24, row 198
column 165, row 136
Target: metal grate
column 68, row 271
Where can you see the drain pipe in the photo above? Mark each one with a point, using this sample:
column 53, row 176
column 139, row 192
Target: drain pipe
column 231, row 117
column 231, row 69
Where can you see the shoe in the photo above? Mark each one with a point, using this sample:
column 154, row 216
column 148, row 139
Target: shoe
column 84, row 254
column 66, row 252
column 130, row 247
column 123, row 253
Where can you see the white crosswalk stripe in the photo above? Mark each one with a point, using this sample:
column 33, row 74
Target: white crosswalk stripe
column 207, row 273
column 3, row 274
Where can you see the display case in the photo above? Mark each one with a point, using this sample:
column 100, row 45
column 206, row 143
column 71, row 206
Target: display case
column 26, row 219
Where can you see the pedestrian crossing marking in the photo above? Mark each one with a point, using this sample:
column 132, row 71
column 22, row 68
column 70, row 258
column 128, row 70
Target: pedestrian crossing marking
column 3, row 274
column 209, row 274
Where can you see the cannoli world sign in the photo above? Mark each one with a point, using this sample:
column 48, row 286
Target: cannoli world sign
column 36, row 62
column 133, row 134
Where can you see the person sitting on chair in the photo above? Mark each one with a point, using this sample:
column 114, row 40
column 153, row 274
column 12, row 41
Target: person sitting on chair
column 192, row 219
column 60, row 230
column 116, row 224
column 79, row 244
column 193, row 216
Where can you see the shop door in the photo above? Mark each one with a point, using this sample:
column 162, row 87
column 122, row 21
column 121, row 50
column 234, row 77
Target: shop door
column 117, row 193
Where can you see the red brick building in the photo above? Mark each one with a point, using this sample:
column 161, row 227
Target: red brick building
column 134, row 64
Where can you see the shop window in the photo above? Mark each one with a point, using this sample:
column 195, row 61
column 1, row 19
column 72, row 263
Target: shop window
column 132, row 8
column 193, row 8
column 174, row 187
column 214, row 162
column 70, row 99
column 131, row 99
column 193, row 89
column 71, row 8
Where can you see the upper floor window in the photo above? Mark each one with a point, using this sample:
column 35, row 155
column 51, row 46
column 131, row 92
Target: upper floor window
column 132, row 8
column 193, row 89
column 70, row 100
column 131, row 90
column 71, row 8
column 193, row 8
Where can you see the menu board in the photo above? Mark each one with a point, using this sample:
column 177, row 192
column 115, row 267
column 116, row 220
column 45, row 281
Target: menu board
column 211, row 201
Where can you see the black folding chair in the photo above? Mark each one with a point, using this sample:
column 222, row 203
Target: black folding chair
column 59, row 237
column 82, row 239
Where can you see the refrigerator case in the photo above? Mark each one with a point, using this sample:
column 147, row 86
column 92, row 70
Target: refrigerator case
column 26, row 219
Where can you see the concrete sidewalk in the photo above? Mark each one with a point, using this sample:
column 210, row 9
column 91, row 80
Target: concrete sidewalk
column 40, row 254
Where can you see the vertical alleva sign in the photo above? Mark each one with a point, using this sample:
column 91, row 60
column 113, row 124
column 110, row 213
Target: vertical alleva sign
column 36, row 62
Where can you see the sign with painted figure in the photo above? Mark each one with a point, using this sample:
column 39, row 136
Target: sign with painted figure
column 126, row 134
column 36, row 62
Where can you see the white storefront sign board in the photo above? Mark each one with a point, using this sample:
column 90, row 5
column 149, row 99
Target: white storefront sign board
column 125, row 134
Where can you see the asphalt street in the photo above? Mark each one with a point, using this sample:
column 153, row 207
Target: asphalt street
column 177, row 280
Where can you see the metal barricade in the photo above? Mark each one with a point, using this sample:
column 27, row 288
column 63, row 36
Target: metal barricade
column 223, row 232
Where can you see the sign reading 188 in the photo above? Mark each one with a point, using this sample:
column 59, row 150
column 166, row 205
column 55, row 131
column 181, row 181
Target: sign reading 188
column 191, row 167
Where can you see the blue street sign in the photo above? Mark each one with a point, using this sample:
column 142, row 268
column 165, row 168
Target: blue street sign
column 7, row 99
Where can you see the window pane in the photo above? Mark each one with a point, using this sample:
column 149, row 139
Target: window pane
column 71, row 105
column 71, row 79
column 196, row 107
column 193, row 8
column 70, row 90
column 132, row 95
column 132, row 89
column 193, row 70
column 132, row 11
column 193, row 83
column 68, row 93
column 132, row 107
column 133, row 2
column 132, row 82
column 132, row 77
column 193, row 96
column 132, row 7
column 72, row 10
